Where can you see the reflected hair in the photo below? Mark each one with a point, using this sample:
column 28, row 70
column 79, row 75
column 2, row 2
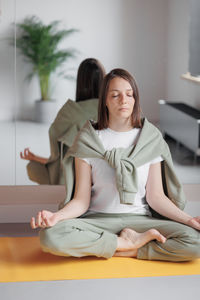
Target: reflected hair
column 103, row 115
column 89, row 79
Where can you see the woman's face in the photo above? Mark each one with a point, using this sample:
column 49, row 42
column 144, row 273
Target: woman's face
column 120, row 100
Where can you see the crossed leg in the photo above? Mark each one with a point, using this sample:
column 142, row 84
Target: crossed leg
column 129, row 241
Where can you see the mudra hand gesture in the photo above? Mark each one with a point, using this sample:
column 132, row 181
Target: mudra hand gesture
column 44, row 219
column 28, row 155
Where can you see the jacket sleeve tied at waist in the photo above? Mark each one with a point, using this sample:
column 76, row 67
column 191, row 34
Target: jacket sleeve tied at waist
column 126, row 174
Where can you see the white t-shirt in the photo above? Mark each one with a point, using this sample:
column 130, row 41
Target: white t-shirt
column 105, row 196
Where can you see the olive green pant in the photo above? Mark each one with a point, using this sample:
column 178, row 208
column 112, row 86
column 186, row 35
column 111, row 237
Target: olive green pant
column 97, row 234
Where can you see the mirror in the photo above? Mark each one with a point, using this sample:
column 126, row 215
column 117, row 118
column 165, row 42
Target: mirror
column 7, row 99
column 194, row 44
column 139, row 35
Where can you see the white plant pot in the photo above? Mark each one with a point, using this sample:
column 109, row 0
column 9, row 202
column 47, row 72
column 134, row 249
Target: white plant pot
column 45, row 111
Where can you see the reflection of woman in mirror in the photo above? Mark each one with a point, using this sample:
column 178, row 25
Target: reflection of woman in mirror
column 127, row 199
column 67, row 123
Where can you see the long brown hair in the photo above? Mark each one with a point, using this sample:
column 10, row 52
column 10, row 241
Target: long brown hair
column 103, row 111
column 89, row 79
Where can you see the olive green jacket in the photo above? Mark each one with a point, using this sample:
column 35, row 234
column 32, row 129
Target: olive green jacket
column 69, row 120
column 125, row 161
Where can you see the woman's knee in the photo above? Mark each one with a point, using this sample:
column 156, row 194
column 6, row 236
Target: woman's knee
column 56, row 237
column 194, row 243
column 46, row 238
column 189, row 241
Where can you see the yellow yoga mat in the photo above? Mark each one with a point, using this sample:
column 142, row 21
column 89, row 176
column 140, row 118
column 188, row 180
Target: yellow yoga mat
column 21, row 259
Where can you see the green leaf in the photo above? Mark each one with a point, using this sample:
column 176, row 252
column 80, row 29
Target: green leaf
column 39, row 45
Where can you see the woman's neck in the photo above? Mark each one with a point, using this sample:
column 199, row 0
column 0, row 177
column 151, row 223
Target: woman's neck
column 120, row 125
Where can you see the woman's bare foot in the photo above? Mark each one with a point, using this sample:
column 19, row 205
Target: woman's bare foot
column 129, row 241
column 131, row 253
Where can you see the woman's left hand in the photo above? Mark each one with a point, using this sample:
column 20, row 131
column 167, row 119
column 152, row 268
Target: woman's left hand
column 194, row 222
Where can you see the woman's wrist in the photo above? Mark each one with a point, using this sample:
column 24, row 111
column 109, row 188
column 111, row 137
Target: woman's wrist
column 58, row 216
column 61, row 215
column 182, row 217
column 170, row 210
column 71, row 210
column 187, row 220
column 41, row 160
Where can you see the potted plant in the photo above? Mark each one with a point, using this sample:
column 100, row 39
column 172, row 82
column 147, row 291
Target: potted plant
column 38, row 43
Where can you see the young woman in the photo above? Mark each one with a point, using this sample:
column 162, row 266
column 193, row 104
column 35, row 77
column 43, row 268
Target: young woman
column 127, row 199
column 67, row 123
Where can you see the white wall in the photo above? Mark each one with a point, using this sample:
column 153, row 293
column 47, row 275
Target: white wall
column 179, row 90
column 144, row 50
column 7, row 88
column 121, row 33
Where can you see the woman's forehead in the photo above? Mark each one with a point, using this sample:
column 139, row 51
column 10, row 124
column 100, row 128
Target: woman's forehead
column 119, row 83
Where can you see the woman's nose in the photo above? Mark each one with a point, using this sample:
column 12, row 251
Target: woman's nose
column 123, row 98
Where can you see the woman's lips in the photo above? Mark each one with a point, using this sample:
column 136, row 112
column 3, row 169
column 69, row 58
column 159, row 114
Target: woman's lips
column 123, row 108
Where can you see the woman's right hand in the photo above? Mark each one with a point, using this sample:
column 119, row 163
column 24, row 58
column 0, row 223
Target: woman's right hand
column 28, row 155
column 44, row 219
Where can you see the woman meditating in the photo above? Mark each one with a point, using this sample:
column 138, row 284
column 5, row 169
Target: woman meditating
column 122, row 195
column 69, row 120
